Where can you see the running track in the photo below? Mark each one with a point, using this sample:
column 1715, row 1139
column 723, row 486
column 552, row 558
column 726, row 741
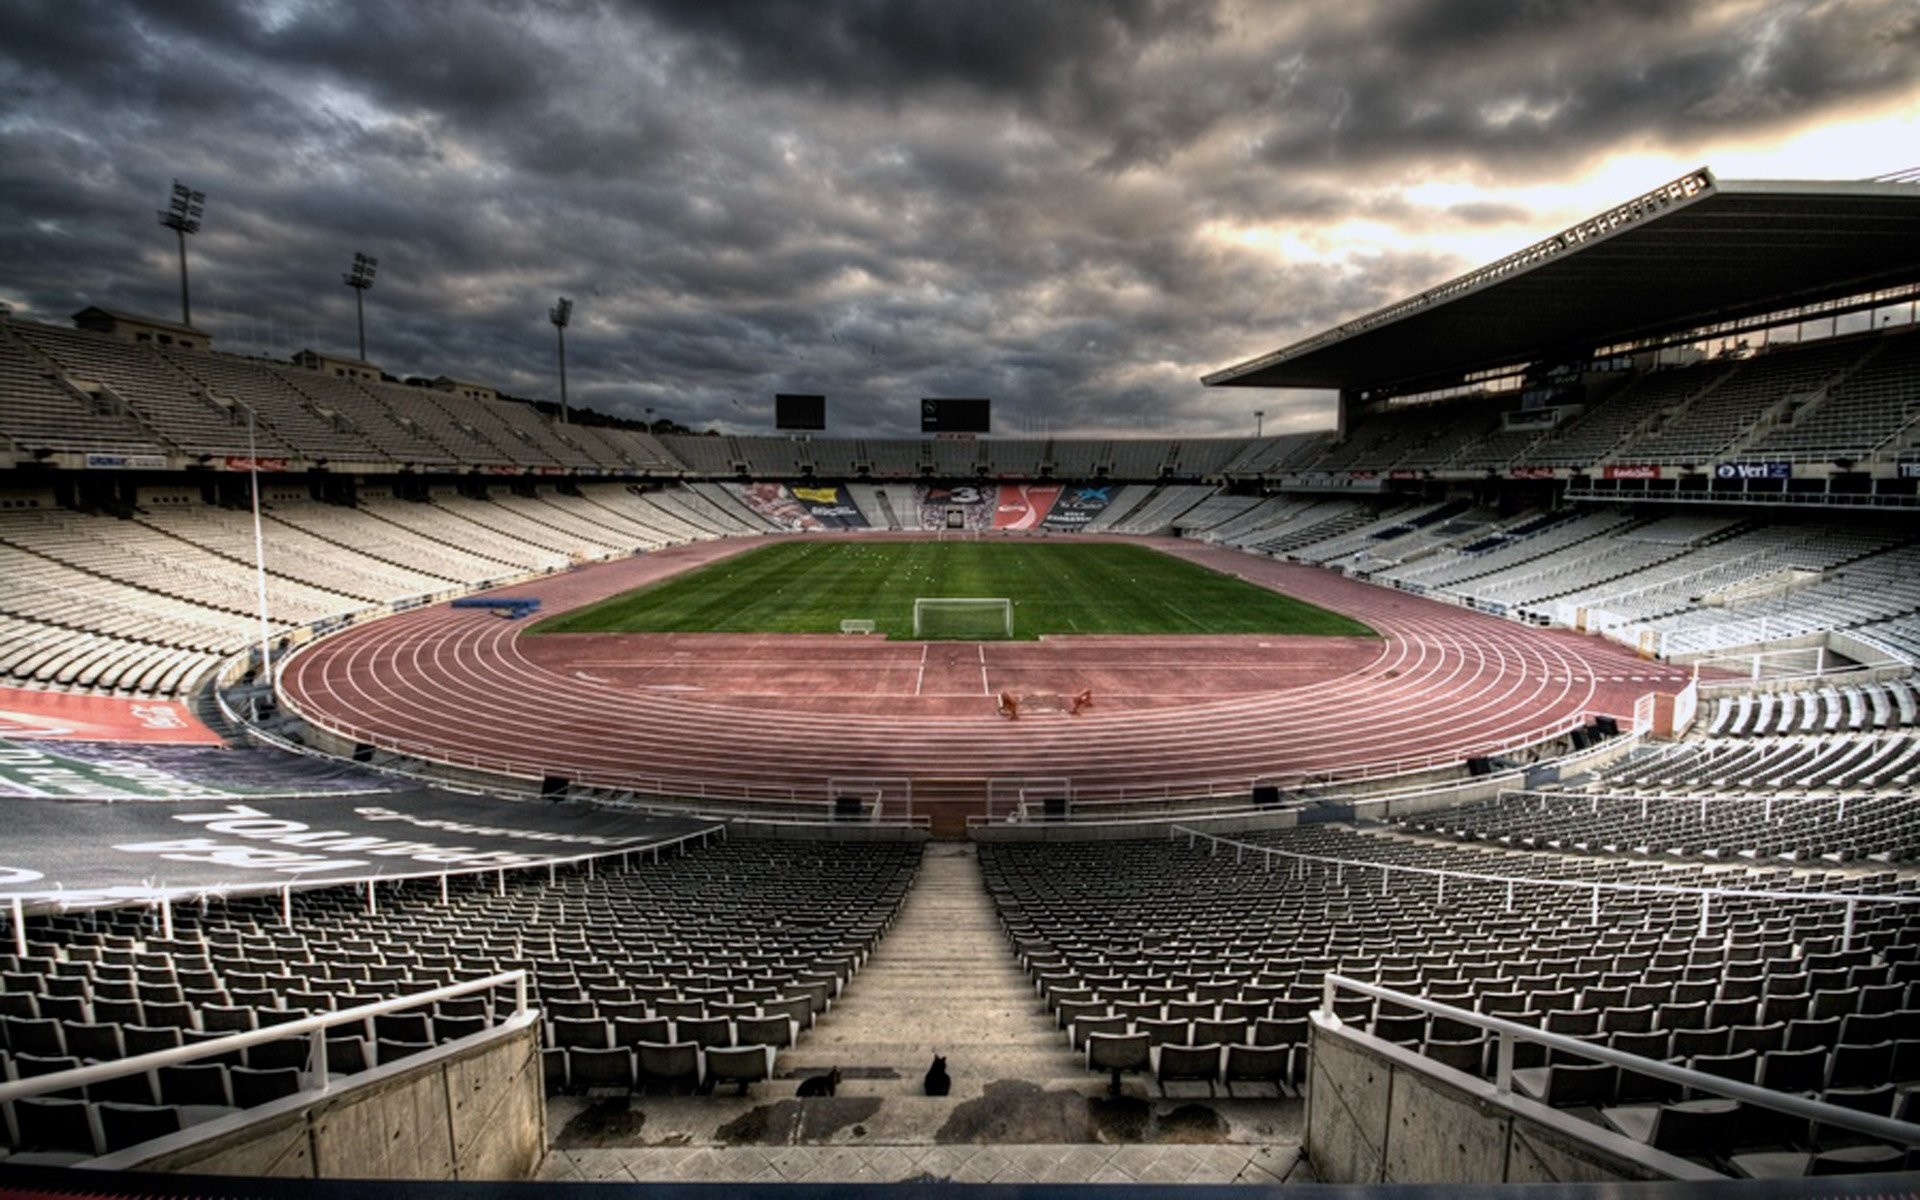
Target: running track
column 780, row 717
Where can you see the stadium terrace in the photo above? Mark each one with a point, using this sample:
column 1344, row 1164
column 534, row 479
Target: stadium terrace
column 1513, row 783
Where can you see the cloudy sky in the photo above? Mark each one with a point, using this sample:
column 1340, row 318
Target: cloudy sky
column 1074, row 208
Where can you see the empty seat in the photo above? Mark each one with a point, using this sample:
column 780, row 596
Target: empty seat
column 631, row 1031
column 676, row 1063
column 55, row 1126
column 253, row 1087
column 1178, row 1064
column 1462, row 1054
column 199, row 1084
column 589, row 1033
column 590, row 1068
column 1567, row 1085
column 1117, row 1052
column 742, row 1066
column 124, row 1125
column 705, row 1032
column 778, row 1030
column 1256, row 1064
column 1701, row 1129
column 91, row 1042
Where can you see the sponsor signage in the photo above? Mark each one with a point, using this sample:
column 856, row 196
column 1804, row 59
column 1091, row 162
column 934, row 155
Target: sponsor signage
column 500, row 470
column 831, row 506
column 1363, row 474
column 1403, row 473
column 1531, row 473
column 1532, row 418
column 1753, row 470
column 1910, row 470
column 1076, row 506
column 1629, row 471
column 1024, row 506
column 70, row 716
column 213, row 842
column 240, row 462
column 126, row 462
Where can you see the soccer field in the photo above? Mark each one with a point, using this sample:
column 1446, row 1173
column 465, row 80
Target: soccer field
column 1056, row 587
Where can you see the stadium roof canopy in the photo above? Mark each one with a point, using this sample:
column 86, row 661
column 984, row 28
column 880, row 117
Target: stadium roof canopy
column 1690, row 254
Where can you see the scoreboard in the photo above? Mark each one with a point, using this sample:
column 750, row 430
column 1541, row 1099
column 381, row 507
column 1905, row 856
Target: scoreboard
column 955, row 416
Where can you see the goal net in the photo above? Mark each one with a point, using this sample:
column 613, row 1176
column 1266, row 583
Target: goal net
column 962, row 618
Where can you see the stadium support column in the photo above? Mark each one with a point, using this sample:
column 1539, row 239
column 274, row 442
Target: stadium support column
column 1347, row 400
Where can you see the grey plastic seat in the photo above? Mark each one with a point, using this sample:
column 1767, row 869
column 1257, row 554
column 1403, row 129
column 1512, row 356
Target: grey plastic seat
column 1118, row 1053
column 1256, row 1064
column 1689, row 1128
column 678, row 1063
column 1188, row 1064
column 742, row 1066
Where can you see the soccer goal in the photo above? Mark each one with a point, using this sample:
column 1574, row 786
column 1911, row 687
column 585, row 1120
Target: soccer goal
column 962, row 618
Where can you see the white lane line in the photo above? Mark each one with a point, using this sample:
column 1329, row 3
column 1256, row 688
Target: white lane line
column 922, row 676
column 985, row 689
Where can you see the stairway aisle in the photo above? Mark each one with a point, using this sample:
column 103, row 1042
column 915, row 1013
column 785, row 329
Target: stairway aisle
column 943, row 981
column 1023, row 1108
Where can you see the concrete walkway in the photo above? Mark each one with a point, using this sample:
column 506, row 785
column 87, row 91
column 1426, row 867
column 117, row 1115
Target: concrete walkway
column 1023, row 1107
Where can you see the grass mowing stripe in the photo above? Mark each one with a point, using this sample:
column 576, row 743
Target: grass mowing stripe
column 1056, row 586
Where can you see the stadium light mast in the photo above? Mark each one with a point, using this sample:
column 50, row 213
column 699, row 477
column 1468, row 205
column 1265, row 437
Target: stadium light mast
column 560, row 314
column 259, row 548
column 1259, row 421
column 182, row 215
column 360, row 279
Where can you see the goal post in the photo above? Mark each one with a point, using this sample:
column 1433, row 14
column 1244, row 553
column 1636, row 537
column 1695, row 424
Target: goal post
column 962, row 618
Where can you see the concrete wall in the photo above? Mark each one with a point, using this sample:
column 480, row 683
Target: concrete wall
column 1378, row 1113
column 478, row 1112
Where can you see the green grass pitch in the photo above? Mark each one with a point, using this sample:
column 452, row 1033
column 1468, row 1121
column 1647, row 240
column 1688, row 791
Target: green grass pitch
column 1056, row 587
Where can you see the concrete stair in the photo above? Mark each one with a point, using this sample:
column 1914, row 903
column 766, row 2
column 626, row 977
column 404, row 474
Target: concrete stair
column 943, row 981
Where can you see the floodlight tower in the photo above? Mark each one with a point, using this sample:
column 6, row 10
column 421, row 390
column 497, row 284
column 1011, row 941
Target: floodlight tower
column 560, row 314
column 182, row 215
column 360, row 279
column 1259, row 421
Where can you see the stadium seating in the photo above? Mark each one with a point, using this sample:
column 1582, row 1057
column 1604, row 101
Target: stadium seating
column 1172, row 944
column 693, row 967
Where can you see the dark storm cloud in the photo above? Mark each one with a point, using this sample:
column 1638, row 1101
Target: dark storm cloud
column 879, row 199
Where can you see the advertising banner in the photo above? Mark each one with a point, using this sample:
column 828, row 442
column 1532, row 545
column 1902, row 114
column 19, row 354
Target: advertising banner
column 65, row 716
column 1077, row 505
column 831, row 506
column 1753, row 470
column 1024, row 505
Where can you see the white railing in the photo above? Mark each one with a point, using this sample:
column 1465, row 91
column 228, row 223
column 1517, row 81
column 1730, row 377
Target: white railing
column 162, row 897
column 1596, row 887
column 313, row 1028
column 1832, row 807
column 1508, row 1033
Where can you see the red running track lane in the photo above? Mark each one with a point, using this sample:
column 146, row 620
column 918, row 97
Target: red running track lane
column 781, row 716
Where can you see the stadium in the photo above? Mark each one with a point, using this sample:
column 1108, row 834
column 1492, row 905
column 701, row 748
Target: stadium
column 1509, row 785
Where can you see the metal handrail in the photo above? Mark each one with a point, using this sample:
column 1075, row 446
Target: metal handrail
column 313, row 1027
column 1885, row 1128
column 1596, row 886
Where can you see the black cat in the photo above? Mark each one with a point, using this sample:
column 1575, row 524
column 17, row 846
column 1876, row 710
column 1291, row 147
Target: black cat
column 815, row 1086
column 938, row 1082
